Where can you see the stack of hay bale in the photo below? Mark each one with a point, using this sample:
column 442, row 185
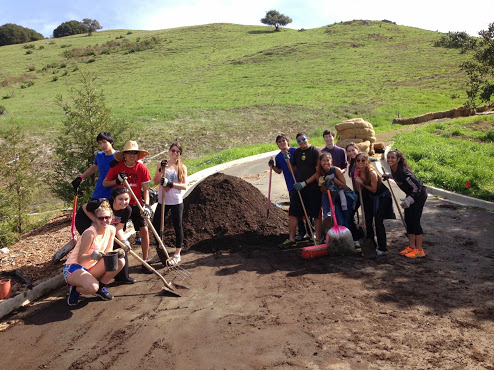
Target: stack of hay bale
column 358, row 131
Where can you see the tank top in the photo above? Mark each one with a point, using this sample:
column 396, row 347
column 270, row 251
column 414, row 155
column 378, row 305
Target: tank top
column 173, row 196
column 100, row 243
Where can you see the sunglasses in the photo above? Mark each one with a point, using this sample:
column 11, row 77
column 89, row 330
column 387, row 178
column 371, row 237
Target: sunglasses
column 135, row 152
column 360, row 160
column 104, row 218
column 301, row 139
column 175, row 151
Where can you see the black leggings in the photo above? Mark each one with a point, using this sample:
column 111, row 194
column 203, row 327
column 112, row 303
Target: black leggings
column 177, row 211
column 414, row 213
column 376, row 220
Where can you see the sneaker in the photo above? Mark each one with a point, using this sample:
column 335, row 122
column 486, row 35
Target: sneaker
column 415, row 254
column 175, row 260
column 73, row 297
column 381, row 253
column 287, row 244
column 104, row 294
column 155, row 259
column 299, row 237
column 406, row 251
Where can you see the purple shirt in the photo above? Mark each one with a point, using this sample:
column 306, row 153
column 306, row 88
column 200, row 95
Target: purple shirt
column 339, row 156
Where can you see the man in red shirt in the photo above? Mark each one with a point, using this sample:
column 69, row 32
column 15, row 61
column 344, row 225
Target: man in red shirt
column 138, row 178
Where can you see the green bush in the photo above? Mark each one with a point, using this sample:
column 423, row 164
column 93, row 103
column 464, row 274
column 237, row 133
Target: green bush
column 11, row 34
column 453, row 40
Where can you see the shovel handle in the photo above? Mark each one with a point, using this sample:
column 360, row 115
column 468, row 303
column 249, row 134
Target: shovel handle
column 269, row 188
column 396, row 202
column 332, row 208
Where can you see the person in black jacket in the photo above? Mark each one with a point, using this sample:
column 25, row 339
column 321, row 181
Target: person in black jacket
column 413, row 204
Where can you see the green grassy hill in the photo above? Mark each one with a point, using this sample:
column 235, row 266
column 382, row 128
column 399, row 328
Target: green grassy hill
column 221, row 85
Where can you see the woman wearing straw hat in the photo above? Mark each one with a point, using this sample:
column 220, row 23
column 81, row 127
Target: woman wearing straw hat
column 138, row 178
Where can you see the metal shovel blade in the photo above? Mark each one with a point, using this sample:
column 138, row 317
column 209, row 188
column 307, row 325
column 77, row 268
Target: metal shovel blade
column 340, row 241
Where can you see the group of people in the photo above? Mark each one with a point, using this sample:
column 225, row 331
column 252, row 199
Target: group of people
column 105, row 217
column 313, row 175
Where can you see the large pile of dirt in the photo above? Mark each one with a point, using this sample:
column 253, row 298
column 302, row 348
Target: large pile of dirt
column 224, row 213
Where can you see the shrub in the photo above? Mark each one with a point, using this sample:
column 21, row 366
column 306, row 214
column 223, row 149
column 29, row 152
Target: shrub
column 31, row 68
column 11, row 34
column 28, row 46
column 29, row 51
column 454, row 40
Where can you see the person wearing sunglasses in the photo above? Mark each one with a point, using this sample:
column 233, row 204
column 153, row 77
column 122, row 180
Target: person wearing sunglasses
column 303, row 162
column 338, row 154
column 174, row 184
column 85, row 271
column 376, row 199
column 138, row 177
column 119, row 203
column 413, row 204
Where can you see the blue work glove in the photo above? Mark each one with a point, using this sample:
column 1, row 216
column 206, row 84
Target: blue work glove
column 299, row 185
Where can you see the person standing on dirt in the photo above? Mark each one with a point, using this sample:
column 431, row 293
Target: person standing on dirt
column 84, row 270
column 331, row 178
column 338, row 154
column 304, row 162
column 413, row 204
column 377, row 201
column 280, row 166
column 174, row 183
column 352, row 150
column 119, row 203
column 102, row 163
column 138, row 177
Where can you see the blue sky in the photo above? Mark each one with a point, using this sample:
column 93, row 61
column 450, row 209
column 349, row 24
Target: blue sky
column 435, row 15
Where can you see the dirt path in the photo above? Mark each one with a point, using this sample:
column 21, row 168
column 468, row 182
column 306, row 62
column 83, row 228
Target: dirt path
column 257, row 307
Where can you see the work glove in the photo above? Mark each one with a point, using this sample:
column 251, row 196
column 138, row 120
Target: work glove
column 299, row 185
column 286, row 155
column 321, row 181
column 387, row 176
column 165, row 182
column 113, row 163
column 121, row 252
column 126, row 245
column 96, row 255
column 147, row 211
column 271, row 163
column 407, row 202
column 164, row 163
column 76, row 182
column 120, row 178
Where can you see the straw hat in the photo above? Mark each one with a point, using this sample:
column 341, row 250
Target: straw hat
column 130, row 146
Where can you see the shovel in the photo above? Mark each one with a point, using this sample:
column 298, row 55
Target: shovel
column 269, row 189
column 396, row 203
column 340, row 238
column 71, row 244
column 168, row 286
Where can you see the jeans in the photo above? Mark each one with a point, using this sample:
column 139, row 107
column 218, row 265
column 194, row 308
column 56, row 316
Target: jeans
column 343, row 217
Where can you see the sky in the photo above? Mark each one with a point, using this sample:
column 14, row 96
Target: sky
column 435, row 15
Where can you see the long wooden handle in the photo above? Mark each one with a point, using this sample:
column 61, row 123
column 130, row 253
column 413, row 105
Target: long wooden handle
column 162, row 223
column 150, row 224
column 136, row 256
column 396, row 202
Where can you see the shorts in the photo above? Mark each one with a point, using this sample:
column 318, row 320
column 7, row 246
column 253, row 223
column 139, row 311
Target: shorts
column 312, row 199
column 137, row 220
column 69, row 269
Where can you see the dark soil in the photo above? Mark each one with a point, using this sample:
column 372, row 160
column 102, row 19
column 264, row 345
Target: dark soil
column 226, row 213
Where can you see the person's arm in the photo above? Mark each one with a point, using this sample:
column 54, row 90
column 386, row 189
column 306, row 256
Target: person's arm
column 86, row 242
column 339, row 179
column 119, row 231
column 111, row 240
column 181, row 186
column 110, row 179
column 89, row 214
column 157, row 175
column 92, row 169
column 145, row 192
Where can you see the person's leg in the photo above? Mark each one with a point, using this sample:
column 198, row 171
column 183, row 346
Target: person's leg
column 384, row 205
column 292, row 227
column 144, row 242
column 99, row 272
column 326, row 207
column 123, row 275
column 83, row 281
column 177, row 214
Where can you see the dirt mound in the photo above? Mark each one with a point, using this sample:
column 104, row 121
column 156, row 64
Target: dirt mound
column 225, row 212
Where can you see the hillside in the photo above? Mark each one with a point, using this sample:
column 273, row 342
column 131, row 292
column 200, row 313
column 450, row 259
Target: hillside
column 236, row 84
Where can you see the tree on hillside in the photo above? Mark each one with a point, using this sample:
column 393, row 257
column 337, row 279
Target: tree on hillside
column 18, row 176
column 276, row 19
column 11, row 34
column 70, row 28
column 480, row 69
column 92, row 25
column 84, row 118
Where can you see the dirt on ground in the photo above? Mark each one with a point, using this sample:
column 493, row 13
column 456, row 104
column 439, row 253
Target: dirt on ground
column 252, row 305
